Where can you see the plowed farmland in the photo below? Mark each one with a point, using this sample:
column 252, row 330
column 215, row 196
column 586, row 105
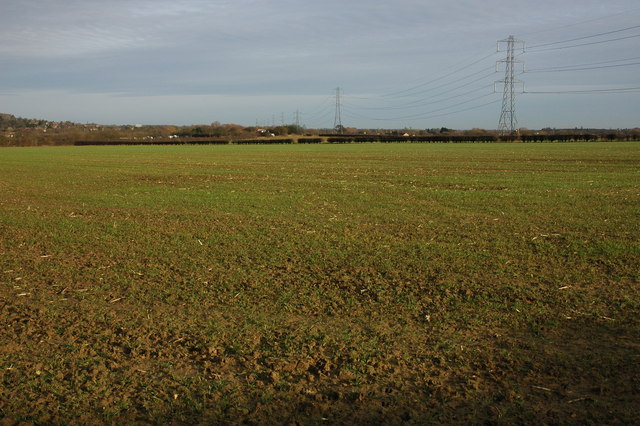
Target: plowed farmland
column 368, row 283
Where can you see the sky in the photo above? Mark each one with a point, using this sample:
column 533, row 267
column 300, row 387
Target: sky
column 398, row 64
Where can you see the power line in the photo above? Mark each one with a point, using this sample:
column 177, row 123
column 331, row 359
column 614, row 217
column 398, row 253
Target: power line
column 431, row 100
column 583, row 69
column 452, row 82
column 427, row 117
column 442, row 77
column 426, row 114
column 465, row 109
column 585, row 44
column 626, row 12
column 563, row 92
column 323, row 105
column 585, row 37
column 427, row 93
column 583, row 65
column 423, row 102
column 322, row 110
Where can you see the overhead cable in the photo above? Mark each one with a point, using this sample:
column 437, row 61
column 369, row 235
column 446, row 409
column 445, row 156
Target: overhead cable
column 583, row 69
column 582, row 65
column 563, row 92
column 401, row 93
column 423, row 115
column 585, row 37
column 547, row 30
column 583, row 44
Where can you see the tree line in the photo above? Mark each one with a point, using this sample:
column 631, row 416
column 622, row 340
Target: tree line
column 16, row 131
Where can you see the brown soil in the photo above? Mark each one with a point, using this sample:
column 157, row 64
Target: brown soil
column 69, row 367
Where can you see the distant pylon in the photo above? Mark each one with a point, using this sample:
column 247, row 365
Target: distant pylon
column 297, row 121
column 337, row 121
column 508, row 121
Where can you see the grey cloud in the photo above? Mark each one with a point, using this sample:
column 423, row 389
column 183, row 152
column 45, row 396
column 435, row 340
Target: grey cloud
column 287, row 47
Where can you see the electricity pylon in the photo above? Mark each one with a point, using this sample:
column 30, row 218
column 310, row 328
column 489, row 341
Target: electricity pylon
column 297, row 115
column 337, row 121
column 508, row 121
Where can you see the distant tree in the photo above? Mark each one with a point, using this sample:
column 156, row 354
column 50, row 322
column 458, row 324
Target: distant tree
column 233, row 131
column 199, row 132
column 168, row 131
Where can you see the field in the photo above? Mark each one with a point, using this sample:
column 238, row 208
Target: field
column 367, row 283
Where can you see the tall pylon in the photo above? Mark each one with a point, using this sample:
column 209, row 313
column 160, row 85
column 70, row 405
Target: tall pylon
column 297, row 115
column 508, row 121
column 337, row 121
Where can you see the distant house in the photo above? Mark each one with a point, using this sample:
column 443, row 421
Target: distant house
column 265, row 133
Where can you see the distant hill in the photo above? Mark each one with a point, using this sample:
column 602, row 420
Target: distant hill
column 8, row 121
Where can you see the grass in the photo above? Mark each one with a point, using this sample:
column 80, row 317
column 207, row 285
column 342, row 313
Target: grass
column 354, row 283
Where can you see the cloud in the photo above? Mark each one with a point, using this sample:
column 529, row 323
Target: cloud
column 165, row 48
